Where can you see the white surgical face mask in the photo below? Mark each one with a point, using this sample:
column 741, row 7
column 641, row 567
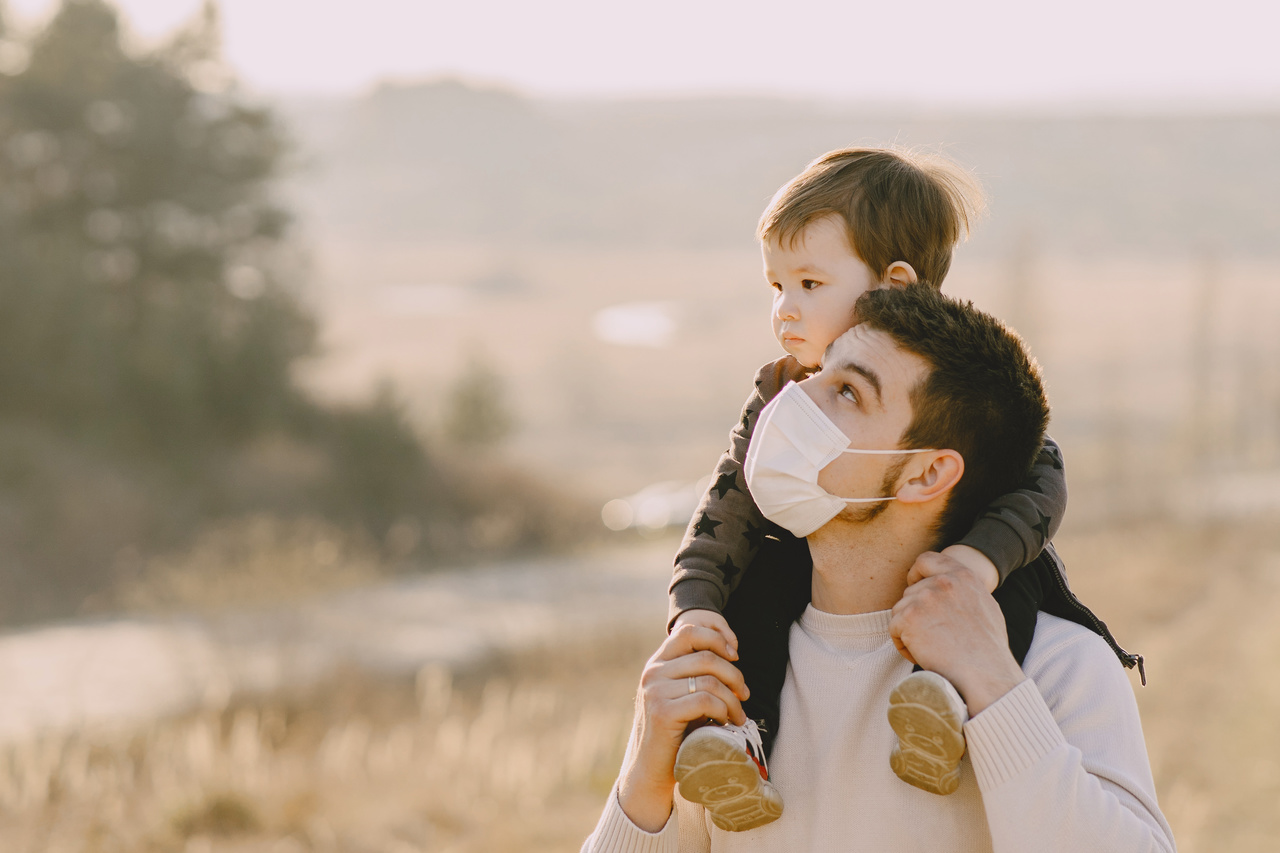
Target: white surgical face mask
column 792, row 442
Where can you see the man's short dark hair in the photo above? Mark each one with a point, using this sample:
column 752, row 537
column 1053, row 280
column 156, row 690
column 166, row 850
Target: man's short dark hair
column 983, row 397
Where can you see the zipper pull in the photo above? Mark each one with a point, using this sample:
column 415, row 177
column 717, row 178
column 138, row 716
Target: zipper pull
column 1142, row 671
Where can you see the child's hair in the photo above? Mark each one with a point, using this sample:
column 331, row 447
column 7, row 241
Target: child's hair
column 896, row 206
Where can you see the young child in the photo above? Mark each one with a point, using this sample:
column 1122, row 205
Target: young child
column 853, row 220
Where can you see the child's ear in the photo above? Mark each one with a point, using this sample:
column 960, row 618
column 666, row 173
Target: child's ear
column 899, row 274
column 942, row 470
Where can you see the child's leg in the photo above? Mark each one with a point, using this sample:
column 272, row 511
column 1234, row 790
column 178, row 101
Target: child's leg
column 1020, row 597
column 774, row 592
column 724, row 768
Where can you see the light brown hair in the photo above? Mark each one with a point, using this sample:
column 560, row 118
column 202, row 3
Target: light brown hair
column 896, row 206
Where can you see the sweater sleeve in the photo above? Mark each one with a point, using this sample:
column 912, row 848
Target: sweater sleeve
column 685, row 832
column 1061, row 760
column 1014, row 529
column 687, row 829
column 615, row 833
column 727, row 529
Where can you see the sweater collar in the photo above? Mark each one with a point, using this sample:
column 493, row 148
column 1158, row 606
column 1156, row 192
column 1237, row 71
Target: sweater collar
column 852, row 632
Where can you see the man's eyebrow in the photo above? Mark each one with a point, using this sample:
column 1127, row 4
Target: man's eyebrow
column 866, row 373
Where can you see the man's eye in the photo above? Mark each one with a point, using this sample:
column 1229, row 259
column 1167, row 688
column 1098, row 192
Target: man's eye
column 848, row 393
column 809, row 284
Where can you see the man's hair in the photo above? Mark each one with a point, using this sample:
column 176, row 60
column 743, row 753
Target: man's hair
column 896, row 206
column 983, row 396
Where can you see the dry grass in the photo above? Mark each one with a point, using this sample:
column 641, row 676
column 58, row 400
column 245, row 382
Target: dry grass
column 519, row 756
column 1200, row 604
column 515, row 758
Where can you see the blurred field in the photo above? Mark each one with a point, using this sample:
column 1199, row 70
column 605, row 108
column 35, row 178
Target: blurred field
column 1161, row 370
column 519, row 753
column 514, row 757
column 460, row 254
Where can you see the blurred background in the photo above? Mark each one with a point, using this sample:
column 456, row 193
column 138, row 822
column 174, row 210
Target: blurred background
column 359, row 365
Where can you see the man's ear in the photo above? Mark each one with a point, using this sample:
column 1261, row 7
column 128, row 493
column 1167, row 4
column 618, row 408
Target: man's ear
column 899, row 274
column 942, row 470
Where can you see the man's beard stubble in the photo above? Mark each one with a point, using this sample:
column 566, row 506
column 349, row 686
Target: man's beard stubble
column 864, row 513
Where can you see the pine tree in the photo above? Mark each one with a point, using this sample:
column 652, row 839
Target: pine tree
column 145, row 285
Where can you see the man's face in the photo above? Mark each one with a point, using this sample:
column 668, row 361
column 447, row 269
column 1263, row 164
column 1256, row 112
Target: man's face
column 865, row 388
column 816, row 282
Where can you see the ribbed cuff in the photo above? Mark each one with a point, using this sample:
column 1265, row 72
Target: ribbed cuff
column 693, row 594
column 1000, row 542
column 1011, row 735
column 615, row 833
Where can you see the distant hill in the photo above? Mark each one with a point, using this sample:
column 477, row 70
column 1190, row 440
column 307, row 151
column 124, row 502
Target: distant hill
column 443, row 159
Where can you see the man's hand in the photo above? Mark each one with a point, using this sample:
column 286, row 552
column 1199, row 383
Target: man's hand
column 946, row 622
column 667, row 703
column 968, row 558
column 708, row 619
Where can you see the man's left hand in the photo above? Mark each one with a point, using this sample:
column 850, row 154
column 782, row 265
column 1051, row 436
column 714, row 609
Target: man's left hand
column 948, row 623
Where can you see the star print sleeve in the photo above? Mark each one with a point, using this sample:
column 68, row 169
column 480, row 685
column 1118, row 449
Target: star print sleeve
column 1015, row 528
column 727, row 529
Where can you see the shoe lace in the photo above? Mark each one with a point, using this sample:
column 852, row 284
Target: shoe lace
column 754, row 745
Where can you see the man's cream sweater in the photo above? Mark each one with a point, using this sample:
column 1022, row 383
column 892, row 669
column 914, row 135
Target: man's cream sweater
column 1057, row 764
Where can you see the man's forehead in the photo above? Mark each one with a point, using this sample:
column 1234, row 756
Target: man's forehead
column 861, row 341
column 876, row 350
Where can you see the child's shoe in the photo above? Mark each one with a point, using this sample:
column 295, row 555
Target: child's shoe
column 723, row 769
column 929, row 716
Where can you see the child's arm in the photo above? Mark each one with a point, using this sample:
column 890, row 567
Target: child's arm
column 1015, row 528
column 727, row 529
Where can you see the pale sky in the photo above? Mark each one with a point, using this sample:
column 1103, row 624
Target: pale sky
column 979, row 52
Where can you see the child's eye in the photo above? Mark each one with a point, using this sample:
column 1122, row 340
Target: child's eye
column 776, row 286
column 809, row 284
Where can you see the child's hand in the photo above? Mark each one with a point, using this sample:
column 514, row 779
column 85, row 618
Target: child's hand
column 709, row 619
column 961, row 557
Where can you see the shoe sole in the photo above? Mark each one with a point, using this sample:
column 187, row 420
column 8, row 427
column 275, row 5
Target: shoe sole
column 725, row 780
column 930, row 745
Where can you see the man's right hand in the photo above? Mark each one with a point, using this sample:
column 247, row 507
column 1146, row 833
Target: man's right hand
column 666, row 705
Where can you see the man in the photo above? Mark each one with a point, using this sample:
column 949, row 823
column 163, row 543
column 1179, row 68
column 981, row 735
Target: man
column 1055, row 759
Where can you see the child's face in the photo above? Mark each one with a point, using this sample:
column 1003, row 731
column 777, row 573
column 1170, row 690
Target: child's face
column 816, row 282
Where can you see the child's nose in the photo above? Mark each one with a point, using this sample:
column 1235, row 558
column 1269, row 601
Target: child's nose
column 785, row 307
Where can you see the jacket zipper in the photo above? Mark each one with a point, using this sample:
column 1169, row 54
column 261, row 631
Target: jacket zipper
column 1128, row 659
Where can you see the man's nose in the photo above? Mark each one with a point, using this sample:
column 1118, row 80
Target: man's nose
column 812, row 386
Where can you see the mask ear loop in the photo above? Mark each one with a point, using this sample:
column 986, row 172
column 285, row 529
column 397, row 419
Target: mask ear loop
column 879, row 453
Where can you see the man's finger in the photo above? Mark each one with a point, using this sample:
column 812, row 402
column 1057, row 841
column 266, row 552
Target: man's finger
column 711, row 666
column 895, row 632
column 930, row 564
column 711, row 699
column 695, row 638
column 708, row 619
